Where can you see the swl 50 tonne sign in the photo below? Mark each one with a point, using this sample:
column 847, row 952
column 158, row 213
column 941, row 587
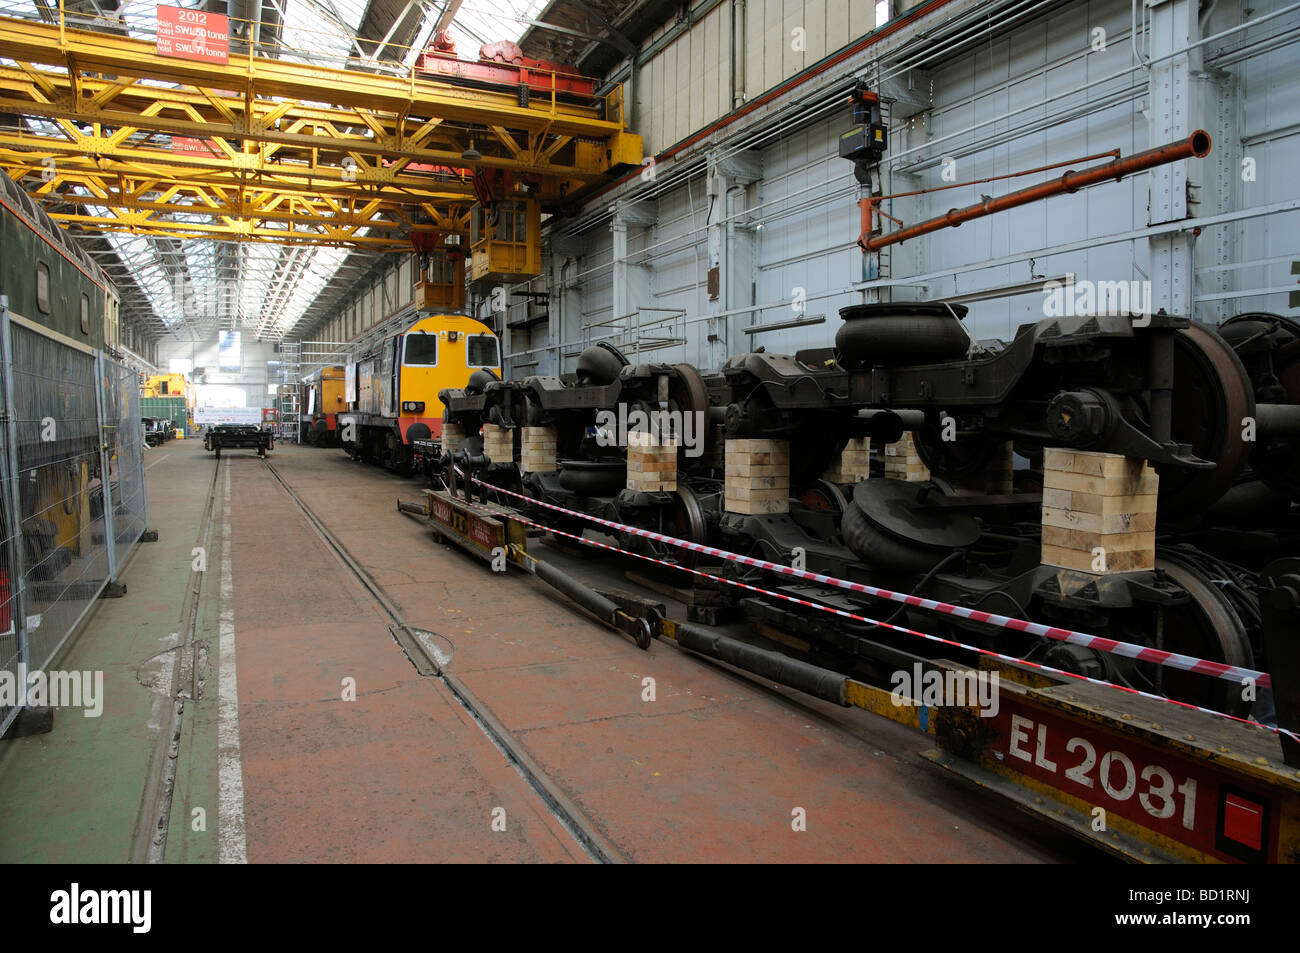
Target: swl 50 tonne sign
column 194, row 35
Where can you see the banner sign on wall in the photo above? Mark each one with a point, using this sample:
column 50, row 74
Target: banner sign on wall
column 212, row 416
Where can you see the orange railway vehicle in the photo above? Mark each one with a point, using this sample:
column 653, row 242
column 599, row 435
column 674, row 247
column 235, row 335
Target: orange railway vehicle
column 324, row 401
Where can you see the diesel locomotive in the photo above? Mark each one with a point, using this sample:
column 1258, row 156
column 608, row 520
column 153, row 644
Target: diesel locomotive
column 322, row 402
column 394, row 412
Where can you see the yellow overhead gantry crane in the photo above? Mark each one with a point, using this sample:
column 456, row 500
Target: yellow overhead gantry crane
column 280, row 151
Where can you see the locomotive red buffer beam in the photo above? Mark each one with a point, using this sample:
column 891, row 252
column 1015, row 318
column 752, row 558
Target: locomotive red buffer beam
column 1196, row 145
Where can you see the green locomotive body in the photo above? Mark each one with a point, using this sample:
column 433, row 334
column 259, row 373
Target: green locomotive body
column 48, row 280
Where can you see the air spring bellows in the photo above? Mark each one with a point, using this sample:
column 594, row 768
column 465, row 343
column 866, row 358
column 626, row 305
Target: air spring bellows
column 900, row 332
column 593, row 477
column 479, row 380
column 890, row 526
column 600, row 364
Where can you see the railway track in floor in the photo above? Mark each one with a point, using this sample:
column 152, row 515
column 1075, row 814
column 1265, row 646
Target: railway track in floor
column 149, row 839
column 425, row 659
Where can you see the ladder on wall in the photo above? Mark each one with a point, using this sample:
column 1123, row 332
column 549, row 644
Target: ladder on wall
column 884, row 257
column 288, row 399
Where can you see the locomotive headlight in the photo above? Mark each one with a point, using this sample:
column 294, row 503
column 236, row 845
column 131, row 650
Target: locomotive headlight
column 412, row 406
column 452, row 336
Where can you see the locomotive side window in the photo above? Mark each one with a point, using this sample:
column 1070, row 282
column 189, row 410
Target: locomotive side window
column 421, row 349
column 85, row 314
column 43, row 287
column 483, row 351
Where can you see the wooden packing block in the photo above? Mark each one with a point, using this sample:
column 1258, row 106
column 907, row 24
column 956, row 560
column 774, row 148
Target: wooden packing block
column 902, row 462
column 757, row 493
column 757, row 469
column 1107, row 473
column 1086, row 541
column 453, row 435
column 645, row 438
column 904, row 447
column 1144, row 483
column 757, row 459
column 909, row 475
column 1091, row 463
column 1098, row 505
column 758, row 445
column 652, row 486
column 655, row 458
column 757, row 507
column 758, row 483
column 648, row 466
column 1126, row 522
column 1123, row 561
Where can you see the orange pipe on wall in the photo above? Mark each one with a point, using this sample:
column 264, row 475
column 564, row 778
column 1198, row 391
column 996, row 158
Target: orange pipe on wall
column 1197, row 144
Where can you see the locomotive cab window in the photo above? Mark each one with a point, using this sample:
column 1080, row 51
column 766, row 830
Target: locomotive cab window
column 43, row 287
column 483, row 351
column 85, row 314
column 421, row 350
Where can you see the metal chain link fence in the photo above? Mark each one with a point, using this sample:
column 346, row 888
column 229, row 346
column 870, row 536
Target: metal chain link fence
column 72, row 492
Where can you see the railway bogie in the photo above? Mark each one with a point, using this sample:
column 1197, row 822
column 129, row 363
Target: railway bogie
column 963, row 518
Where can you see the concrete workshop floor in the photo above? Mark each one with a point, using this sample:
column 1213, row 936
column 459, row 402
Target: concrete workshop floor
column 292, row 770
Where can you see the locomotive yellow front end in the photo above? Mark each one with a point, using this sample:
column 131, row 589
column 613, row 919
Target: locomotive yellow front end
column 440, row 352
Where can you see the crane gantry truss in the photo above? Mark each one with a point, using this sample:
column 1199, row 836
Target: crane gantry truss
column 265, row 149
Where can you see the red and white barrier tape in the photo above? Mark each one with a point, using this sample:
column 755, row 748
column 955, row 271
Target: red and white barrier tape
column 884, row 625
column 1142, row 653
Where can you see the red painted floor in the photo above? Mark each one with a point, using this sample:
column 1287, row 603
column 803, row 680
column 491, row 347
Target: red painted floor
column 400, row 774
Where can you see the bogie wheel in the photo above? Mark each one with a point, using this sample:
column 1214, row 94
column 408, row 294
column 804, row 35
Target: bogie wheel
column 1212, row 395
column 687, row 522
column 1206, row 626
column 825, row 496
column 688, row 392
column 1269, row 346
